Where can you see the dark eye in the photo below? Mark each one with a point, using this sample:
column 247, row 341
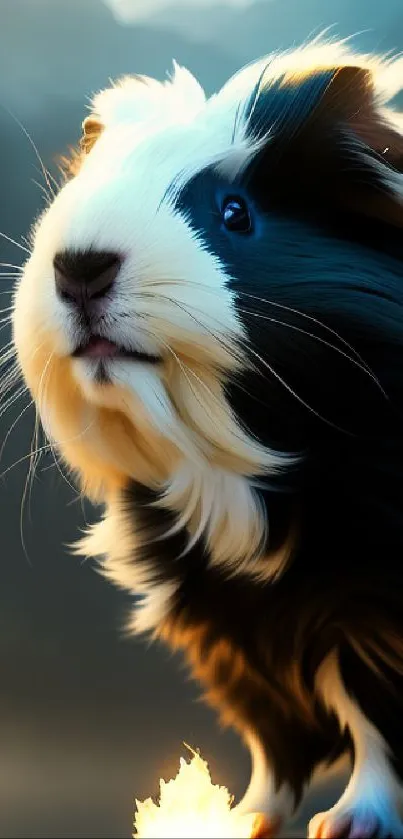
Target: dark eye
column 236, row 216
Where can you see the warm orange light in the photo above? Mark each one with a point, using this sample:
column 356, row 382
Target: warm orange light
column 192, row 807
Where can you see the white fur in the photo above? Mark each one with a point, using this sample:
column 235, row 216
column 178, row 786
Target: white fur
column 118, row 560
column 140, row 99
column 373, row 795
column 262, row 795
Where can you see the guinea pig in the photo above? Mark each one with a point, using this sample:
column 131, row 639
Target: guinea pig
column 210, row 322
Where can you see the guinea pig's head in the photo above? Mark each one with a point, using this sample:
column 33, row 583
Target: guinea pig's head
column 134, row 316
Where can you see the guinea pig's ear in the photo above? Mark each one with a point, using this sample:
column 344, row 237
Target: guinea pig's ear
column 91, row 129
column 326, row 135
column 372, row 143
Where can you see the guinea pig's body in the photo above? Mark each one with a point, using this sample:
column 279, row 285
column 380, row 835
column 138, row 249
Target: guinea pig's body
column 211, row 323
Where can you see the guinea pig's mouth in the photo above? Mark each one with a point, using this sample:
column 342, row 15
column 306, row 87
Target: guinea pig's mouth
column 103, row 349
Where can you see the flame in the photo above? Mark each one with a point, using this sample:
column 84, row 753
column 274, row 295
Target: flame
column 192, row 807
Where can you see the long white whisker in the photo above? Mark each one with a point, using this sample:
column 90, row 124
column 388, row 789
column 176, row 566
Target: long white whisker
column 14, row 242
column 266, row 364
column 45, row 172
column 8, row 380
column 358, row 361
column 7, row 355
column 44, row 448
column 48, row 198
column 8, row 352
column 295, row 394
column 217, row 338
column 320, row 340
column 6, row 322
column 32, row 465
column 9, row 375
column 12, row 426
column 14, row 398
column 188, row 370
column 269, row 302
column 312, row 319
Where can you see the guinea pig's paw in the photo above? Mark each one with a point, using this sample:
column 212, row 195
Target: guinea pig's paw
column 265, row 828
column 356, row 822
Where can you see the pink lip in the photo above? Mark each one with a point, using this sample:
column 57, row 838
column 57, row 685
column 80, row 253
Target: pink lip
column 100, row 348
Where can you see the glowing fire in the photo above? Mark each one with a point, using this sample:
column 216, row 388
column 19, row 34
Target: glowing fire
column 192, row 807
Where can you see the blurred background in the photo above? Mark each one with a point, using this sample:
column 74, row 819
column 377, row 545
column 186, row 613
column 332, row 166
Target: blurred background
column 88, row 720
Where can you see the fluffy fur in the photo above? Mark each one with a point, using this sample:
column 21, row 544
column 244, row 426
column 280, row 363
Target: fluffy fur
column 253, row 477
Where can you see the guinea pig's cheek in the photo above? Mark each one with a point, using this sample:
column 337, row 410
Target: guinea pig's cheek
column 38, row 313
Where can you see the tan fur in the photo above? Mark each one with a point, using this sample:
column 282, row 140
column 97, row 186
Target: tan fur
column 91, row 129
column 70, row 163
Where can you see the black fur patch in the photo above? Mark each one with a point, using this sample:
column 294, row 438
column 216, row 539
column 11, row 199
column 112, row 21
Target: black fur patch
column 269, row 625
column 319, row 289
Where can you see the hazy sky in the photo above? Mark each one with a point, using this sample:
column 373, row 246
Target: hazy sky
column 130, row 10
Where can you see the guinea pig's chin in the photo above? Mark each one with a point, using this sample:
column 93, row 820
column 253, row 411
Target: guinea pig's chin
column 106, row 384
column 127, row 387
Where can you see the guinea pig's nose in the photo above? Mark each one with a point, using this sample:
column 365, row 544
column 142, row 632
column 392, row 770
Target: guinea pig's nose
column 85, row 275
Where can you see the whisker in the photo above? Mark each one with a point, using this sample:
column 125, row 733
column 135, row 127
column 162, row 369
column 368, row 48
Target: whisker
column 188, row 370
column 357, row 361
column 296, row 395
column 320, row 340
column 45, row 447
column 219, row 339
column 267, row 301
column 33, row 463
column 272, row 370
column 12, row 426
column 6, row 322
column 48, row 198
column 8, row 352
column 18, row 268
column 48, row 177
column 185, row 370
column 17, row 244
column 311, row 318
column 9, row 380
column 10, row 401
column 9, row 375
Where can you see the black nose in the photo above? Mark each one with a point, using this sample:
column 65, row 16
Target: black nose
column 85, row 275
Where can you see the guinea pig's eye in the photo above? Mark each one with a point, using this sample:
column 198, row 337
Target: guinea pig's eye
column 235, row 214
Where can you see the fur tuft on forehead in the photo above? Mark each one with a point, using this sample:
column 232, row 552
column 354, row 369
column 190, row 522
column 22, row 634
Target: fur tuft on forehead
column 143, row 99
